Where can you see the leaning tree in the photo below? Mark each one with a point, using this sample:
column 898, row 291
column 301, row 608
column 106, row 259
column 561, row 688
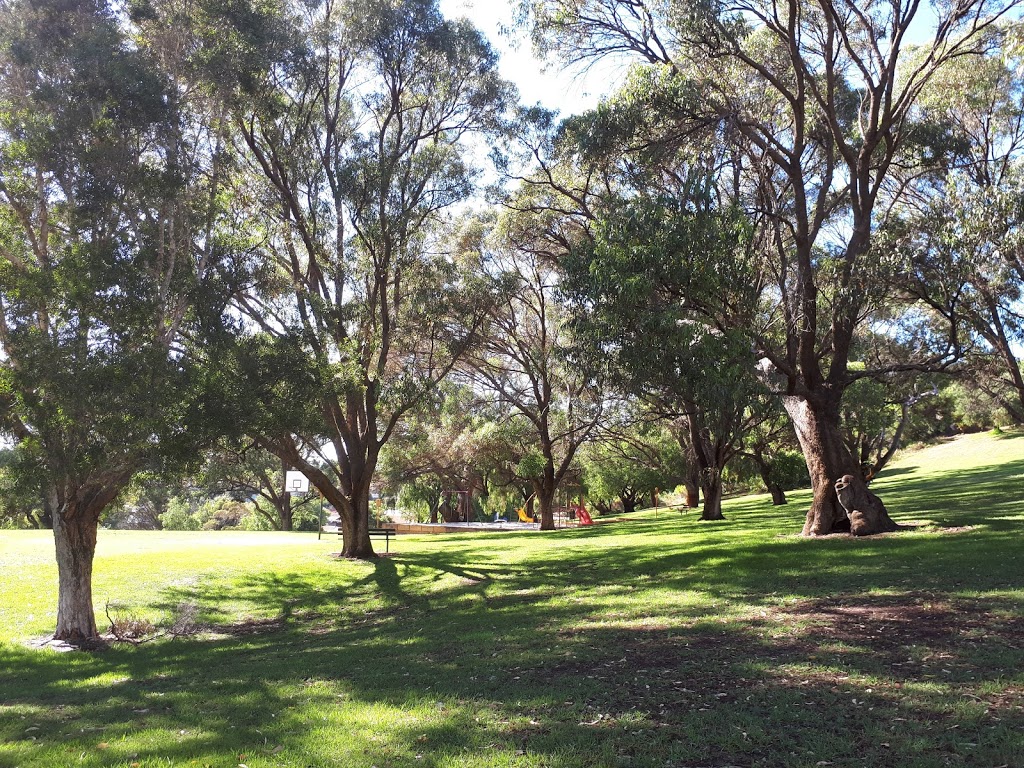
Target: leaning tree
column 820, row 101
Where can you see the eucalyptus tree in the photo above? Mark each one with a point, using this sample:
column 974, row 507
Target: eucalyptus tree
column 967, row 253
column 631, row 460
column 656, row 263
column 818, row 99
column 659, row 292
column 962, row 223
column 437, row 451
column 525, row 364
column 353, row 122
column 106, row 217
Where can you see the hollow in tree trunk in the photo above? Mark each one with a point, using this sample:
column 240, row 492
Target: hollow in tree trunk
column 829, row 460
column 74, row 532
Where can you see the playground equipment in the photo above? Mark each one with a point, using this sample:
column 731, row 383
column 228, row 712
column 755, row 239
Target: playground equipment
column 565, row 515
column 582, row 515
column 572, row 510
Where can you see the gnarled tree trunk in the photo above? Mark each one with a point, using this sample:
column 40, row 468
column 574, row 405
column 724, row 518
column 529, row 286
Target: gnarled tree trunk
column 828, row 460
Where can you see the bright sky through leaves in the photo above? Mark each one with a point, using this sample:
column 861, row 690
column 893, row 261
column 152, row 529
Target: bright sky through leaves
column 568, row 92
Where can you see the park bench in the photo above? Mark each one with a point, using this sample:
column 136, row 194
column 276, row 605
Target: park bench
column 377, row 533
column 387, row 533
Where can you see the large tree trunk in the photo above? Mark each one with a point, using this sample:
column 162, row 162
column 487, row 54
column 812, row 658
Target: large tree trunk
column 74, row 533
column 829, row 460
column 450, row 509
column 630, row 500
column 692, row 490
column 545, row 496
column 708, row 463
column 711, row 486
column 355, row 527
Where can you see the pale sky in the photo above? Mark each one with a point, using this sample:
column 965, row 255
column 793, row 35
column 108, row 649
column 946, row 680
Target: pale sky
column 568, row 92
column 555, row 89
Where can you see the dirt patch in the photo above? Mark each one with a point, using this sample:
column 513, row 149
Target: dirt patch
column 60, row 646
column 916, row 619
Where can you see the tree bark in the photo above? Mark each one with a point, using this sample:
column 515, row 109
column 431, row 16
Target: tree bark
column 545, row 496
column 283, row 502
column 629, row 500
column 764, row 468
column 285, row 515
column 709, row 464
column 828, row 460
column 711, row 486
column 861, row 505
column 74, row 533
column 355, row 527
column 692, row 492
column 434, row 507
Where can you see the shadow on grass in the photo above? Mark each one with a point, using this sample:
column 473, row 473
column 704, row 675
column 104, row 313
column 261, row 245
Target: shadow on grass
column 818, row 680
column 746, row 649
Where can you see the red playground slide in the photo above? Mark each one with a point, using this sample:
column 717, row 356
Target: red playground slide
column 583, row 515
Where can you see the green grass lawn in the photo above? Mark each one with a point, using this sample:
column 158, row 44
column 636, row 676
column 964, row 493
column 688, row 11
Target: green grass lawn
column 654, row 642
